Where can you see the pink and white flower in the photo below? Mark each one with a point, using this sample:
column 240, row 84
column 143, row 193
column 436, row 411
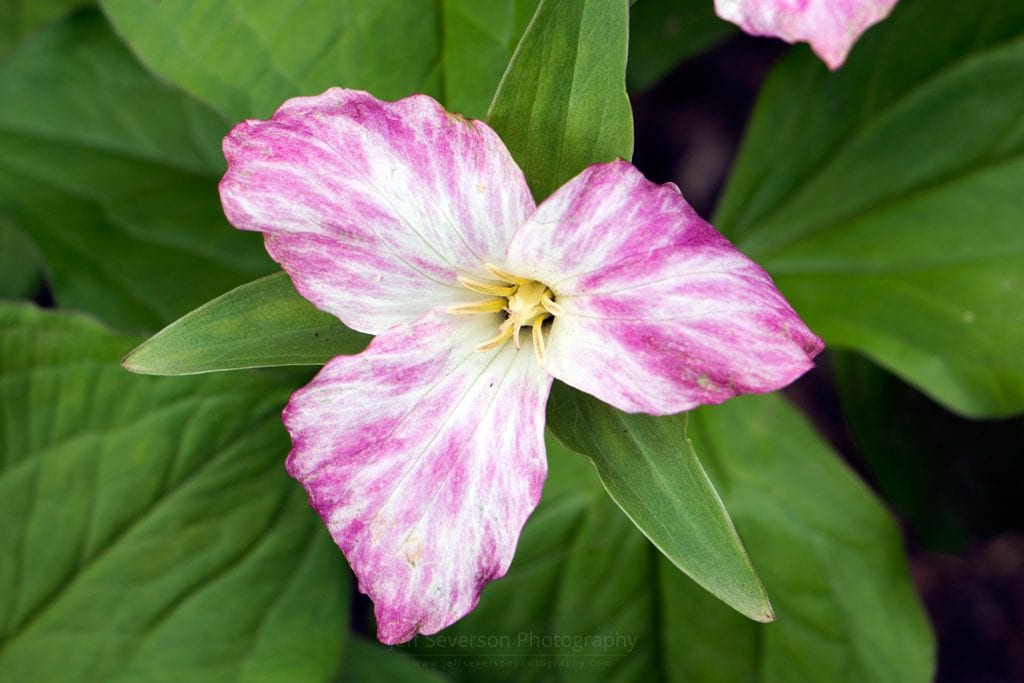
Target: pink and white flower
column 830, row 26
column 425, row 453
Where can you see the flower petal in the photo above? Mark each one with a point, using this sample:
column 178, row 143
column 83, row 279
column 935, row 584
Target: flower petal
column 661, row 312
column 424, row 457
column 374, row 207
column 830, row 26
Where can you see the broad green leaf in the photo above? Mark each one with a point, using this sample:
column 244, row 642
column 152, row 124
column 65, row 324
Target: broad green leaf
column 260, row 324
column 885, row 198
column 651, row 471
column 607, row 599
column 479, row 38
column 150, row 531
column 18, row 18
column 562, row 102
column 114, row 176
column 663, row 33
column 588, row 597
column 951, row 479
column 828, row 551
column 20, row 266
column 246, row 58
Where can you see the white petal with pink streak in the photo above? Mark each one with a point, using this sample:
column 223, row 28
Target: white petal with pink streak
column 424, row 457
column 374, row 208
column 661, row 312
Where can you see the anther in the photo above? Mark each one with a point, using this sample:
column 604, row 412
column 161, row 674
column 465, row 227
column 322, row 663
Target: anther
column 526, row 303
column 504, row 332
column 487, row 287
column 538, row 339
column 551, row 307
column 503, row 276
column 485, row 306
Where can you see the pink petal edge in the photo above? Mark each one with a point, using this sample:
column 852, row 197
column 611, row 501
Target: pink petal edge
column 374, row 208
column 424, row 458
column 662, row 313
column 830, row 26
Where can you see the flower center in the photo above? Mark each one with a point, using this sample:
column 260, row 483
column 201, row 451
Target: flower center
column 526, row 303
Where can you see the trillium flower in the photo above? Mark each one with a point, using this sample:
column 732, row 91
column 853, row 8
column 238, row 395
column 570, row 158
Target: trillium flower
column 424, row 454
column 830, row 26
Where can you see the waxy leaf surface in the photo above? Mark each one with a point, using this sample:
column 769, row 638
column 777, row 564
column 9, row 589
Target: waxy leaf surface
column 151, row 532
column 264, row 323
column 245, row 58
column 650, row 469
column 562, row 102
column 112, row 174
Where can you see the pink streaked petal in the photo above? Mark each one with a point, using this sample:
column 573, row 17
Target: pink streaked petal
column 662, row 313
column 374, row 208
column 424, row 457
column 830, row 26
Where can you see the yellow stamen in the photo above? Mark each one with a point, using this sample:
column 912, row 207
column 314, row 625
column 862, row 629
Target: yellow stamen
column 538, row 339
column 527, row 303
column 551, row 307
column 486, row 287
column 505, row 277
column 505, row 331
column 485, row 306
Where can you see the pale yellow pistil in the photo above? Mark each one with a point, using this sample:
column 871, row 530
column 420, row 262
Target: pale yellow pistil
column 527, row 303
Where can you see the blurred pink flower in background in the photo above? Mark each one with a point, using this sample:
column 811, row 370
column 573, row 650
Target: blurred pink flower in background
column 830, row 26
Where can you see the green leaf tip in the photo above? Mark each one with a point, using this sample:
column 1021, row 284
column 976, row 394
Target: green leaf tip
column 264, row 323
column 650, row 470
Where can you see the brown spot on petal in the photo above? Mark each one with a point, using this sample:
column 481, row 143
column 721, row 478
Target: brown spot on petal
column 412, row 550
column 459, row 118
